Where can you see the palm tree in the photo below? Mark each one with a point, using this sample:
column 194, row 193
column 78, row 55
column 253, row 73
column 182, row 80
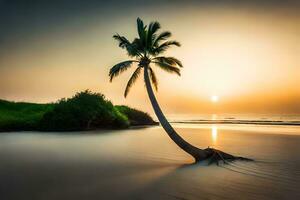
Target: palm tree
column 145, row 51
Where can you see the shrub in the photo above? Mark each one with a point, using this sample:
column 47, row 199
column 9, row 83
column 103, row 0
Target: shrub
column 85, row 110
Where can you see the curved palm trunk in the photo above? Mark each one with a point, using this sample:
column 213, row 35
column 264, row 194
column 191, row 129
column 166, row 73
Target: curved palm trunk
column 197, row 153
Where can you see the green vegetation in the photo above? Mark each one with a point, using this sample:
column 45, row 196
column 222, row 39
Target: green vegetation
column 21, row 116
column 135, row 116
column 84, row 111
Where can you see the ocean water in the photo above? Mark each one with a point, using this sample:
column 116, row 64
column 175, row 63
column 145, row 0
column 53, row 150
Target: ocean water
column 259, row 119
column 143, row 163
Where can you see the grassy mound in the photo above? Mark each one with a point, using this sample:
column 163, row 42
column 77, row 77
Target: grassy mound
column 21, row 116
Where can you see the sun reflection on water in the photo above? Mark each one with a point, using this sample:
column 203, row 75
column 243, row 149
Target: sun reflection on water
column 214, row 133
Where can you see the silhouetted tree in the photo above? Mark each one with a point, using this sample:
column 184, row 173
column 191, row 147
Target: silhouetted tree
column 145, row 53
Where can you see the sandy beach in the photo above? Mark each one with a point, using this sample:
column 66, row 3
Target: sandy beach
column 143, row 163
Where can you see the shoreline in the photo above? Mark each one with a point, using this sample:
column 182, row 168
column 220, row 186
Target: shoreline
column 87, row 130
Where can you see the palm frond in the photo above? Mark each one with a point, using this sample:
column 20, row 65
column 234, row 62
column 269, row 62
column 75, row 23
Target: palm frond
column 168, row 68
column 141, row 28
column 161, row 37
column 125, row 44
column 169, row 60
column 138, row 44
column 146, row 48
column 153, row 78
column 132, row 80
column 119, row 68
column 164, row 46
column 152, row 29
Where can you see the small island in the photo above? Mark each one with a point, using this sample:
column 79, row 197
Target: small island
column 84, row 111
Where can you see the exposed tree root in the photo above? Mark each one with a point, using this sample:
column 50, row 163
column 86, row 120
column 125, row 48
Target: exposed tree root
column 215, row 155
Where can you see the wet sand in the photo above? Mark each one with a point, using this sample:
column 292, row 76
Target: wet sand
column 145, row 164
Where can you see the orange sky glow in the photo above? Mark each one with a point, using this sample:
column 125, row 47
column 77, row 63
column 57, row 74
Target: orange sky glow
column 247, row 57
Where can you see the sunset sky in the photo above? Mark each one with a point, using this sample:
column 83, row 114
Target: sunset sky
column 247, row 53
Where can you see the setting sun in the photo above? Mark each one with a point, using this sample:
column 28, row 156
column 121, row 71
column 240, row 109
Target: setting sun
column 214, row 98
